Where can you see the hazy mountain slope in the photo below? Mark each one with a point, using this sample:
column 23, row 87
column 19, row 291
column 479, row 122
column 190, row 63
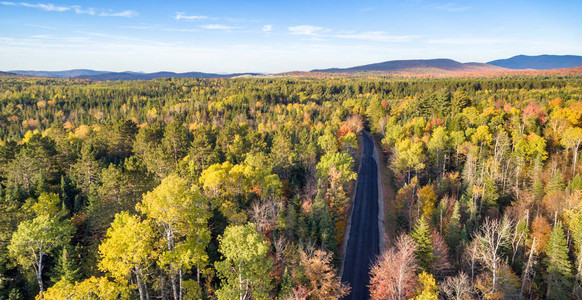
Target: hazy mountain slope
column 417, row 65
column 58, row 74
column 148, row 76
column 540, row 62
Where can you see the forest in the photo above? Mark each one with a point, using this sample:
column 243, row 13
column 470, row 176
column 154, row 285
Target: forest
column 241, row 188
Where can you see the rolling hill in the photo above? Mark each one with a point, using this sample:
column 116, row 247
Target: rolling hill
column 58, row 74
column 418, row 66
column 540, row 62
column 112, row 76
column 7, row 74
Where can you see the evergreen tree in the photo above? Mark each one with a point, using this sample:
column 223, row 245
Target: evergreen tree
column 453, row 231
column 557, row 182
column 576, row 183
column 559, row 278
column 424, row 250
column 67, row 267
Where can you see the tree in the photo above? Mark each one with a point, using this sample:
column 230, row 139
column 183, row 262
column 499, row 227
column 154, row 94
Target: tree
column 409, row 156
column 574, row 222
column 540, row 230
column 127, row 250
column 427, row 201
column 37, row 238
column 323, row 281
column 393, row 276
column 572, row 139
column 182, row 214
column 176, row 140
column 97, row 288
column 86, row 170
column 424, row 247
column 245, row 266
column 453, row 230
column 493, row 235
column 438, row 146
column 441, row 265
column 67, row 267
column 427, row 288
column 458, row 287
column 558, row 267
column 201, row 152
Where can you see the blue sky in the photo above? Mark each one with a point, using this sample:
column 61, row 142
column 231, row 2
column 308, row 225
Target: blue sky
column 276, row 36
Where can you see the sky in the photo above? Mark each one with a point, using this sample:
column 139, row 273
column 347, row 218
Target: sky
column 277, row 36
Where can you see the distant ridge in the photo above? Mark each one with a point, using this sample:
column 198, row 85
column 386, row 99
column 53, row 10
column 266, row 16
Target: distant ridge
column 113, row 76
column 540, row 62
column 58, row 74
column 417, row 66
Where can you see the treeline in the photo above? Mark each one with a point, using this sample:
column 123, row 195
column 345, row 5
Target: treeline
column 239, row 188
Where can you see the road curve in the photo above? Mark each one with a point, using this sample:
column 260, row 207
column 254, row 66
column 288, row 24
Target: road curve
column 363, row 241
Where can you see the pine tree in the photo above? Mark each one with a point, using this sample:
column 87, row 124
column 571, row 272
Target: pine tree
column 453, row 231
column 424, row 250
column 575, row 183
column 558, row 268
column 67, row 267
column 557, row 182
column 286, row 289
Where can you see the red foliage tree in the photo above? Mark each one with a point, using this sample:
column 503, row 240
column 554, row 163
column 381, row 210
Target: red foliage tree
column 393, row 275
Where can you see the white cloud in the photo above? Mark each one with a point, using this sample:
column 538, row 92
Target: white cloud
column 448, row 7
column 218, row 27
column 47, row 7
column 267, row 28
column 183, row 16
column 126, row 13
column 316, row 33
column 79, row 10
column 76, row 8
column 377, row 36
column 305, row 30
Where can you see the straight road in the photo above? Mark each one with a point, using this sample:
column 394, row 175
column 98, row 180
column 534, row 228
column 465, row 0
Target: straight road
column 363, row 242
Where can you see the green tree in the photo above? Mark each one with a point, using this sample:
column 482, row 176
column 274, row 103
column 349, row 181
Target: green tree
column 438, row 146
column 558, row 267
column 453, row 230
column 37, row 238
column 245, row 266
column 85, row 171
column 424, row 247
column 176, row 140
column 409, row 156
column 67, row 267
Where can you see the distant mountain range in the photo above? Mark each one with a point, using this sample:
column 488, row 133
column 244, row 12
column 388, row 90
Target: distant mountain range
column 148, row 76
column 417, row 66
column 409, row 67
column 58, row 74
column 540, row 62
column 105, row 75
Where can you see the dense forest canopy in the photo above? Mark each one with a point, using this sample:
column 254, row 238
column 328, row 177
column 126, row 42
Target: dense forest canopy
column 240, row 188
